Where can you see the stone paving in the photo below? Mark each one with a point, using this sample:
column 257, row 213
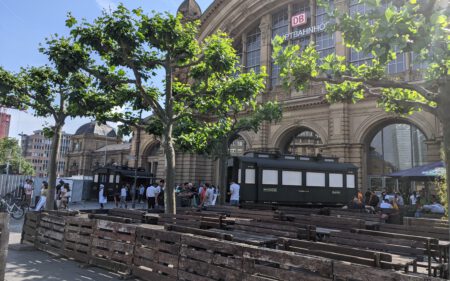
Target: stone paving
column 26, row 263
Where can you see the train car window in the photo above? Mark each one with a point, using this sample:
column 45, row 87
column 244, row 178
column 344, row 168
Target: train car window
column 292, row 178
column 336, row 180
column 111, row 178
column 315, row 179
column 239, row 175
column 350, row 181
column 270, row 177
column 96, row 178
column 117, row 178
column 250, row 176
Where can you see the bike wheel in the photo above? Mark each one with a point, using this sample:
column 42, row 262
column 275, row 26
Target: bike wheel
column 17, row 213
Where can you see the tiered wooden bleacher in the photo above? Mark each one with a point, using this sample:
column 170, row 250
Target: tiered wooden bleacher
column 228, row 243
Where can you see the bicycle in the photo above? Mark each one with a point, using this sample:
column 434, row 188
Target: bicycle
column 15, row 210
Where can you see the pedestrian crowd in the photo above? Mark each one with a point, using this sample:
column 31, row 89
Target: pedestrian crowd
column 390, row 204
column 188, row 195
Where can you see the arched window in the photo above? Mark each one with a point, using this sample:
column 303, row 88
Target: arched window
column 305, row 142
column 396, row 147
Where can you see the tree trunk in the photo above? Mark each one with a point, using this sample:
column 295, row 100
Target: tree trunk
column 52, row 165
column 169, row 152
column 223, row 171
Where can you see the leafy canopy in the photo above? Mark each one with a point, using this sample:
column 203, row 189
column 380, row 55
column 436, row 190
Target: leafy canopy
column 10, row 152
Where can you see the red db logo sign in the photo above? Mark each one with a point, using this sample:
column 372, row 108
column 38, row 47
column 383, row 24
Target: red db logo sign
column 299, row 19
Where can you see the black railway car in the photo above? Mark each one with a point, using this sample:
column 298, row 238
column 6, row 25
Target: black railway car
column 294, row 180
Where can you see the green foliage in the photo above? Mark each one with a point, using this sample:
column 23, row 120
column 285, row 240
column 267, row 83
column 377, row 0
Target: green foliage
column 385, row 30
column 10, row 151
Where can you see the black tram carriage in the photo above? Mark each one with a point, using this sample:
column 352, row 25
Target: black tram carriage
column 114, row 177
column 294, row 180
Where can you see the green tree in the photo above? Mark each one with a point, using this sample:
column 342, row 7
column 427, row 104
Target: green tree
column 56, row 93
column 129, row 47
column 11, row 158
column 417, row 28
column 213, row 137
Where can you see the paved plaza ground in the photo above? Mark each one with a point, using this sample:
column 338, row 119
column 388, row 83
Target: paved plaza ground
column 26, row 263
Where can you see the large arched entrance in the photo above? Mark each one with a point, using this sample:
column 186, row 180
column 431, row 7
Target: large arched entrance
column 301, row 141
column 393, row 148
column 151, row 158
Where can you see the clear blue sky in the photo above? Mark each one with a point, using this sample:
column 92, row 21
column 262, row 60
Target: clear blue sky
column 25, row 23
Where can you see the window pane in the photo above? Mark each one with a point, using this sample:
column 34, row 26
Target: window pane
column 350, row 181
column 292, row 178
column 336, row 180
column 270, row 177
column 250, row 176
column 315, row 179
column 254, row 50
column 239, row 175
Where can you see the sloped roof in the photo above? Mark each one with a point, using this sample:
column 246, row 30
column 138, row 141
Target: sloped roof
column 96, row 129
column 115, row 147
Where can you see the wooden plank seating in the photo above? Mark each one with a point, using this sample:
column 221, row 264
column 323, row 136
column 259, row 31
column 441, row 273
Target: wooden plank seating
column 107, row 217
column 349, row 213
column 156, row 254
column 77, row 238
column 327, row 221
column 208, row 259
column 29, row 229
column 349, row 254
column 190, row 220
column 200, row 232
column 136, row 216
column 50, row 234
column 266, row 227
column 113, row 245
column 441, row 233
column 425, row 222
column 262, row 264
column 4, row 241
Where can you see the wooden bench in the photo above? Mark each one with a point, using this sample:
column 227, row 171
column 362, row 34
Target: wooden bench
column 134, row 215
column 195, row 221
column 349, row 254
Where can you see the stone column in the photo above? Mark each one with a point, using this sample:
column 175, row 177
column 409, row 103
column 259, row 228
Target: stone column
column 338, row 128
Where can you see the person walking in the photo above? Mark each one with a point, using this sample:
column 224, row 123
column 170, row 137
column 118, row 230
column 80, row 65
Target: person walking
column 101, row 196
column 234, row 193
column 123, row 196
column 160, row 196
column 216, row 194
column 43, row 197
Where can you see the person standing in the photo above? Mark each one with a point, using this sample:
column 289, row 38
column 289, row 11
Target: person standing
column 28, row 186
column 65, row 196
column 216, row 194
column 101, row 196
column 43, row 197
column 413, row 198
column 234, row 192
column 160, row 196
column 151, row 196
column 123, row 196
column 141, row 193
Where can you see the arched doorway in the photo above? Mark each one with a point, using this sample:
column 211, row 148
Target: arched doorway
column 393, row 148
column 302, row 141
column 152, row 158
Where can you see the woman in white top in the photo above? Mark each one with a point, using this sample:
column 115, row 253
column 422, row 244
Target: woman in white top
column 101, row 196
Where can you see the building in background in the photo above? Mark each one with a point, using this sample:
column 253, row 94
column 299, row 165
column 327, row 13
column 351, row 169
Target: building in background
column 36, row 150
column 5, row 121
column 95, row 145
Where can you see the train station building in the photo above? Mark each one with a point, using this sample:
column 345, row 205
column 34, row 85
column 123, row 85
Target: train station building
column 377, row 142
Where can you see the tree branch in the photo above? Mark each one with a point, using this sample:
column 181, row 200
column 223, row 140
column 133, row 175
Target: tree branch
column 380, row 84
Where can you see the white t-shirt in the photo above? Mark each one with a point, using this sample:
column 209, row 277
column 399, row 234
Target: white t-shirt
column 209, row 196
column 28, row 188
column 413, row 199
column 385, row 205
column 123, row 192
column 435, row 208
column 234, row 189
column 152, row 191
